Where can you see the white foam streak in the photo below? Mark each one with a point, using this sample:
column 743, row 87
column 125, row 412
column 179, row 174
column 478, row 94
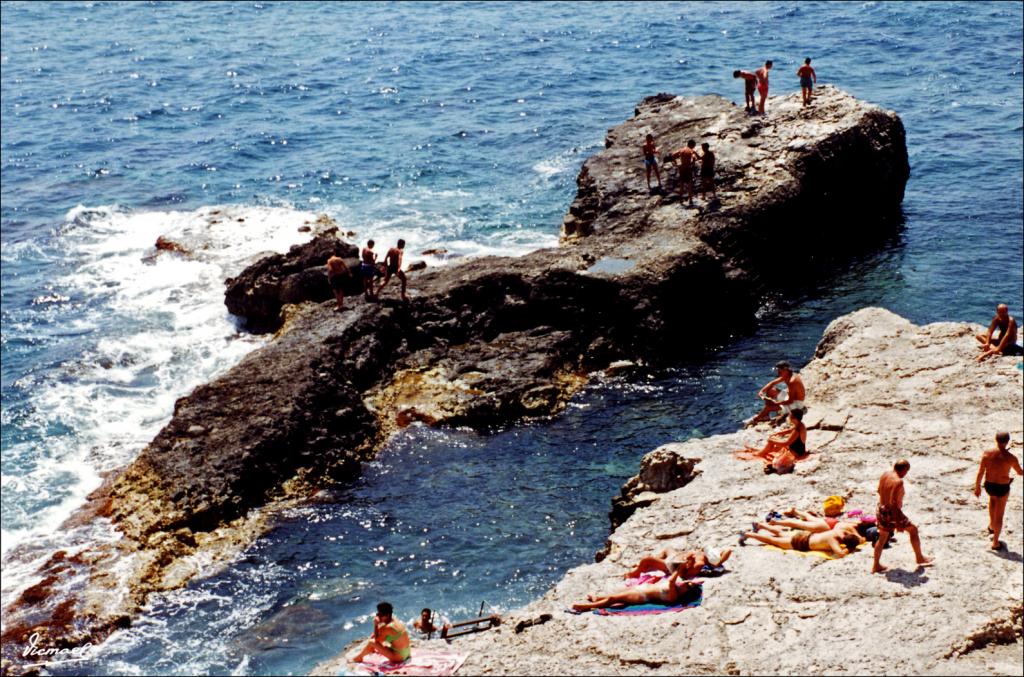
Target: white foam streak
column 155, row 328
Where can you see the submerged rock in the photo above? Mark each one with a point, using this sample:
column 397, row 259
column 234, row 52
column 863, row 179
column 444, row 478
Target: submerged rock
column 638, row 277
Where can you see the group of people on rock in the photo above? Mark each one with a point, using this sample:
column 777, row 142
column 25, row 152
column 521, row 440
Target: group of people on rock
column 692, row 174
column 664, row 577
column 783, row 449
column 685, row 159
column 338, row 272
column 759, row 80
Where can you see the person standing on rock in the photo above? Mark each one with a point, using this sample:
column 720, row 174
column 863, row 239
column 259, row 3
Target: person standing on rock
column 393, row 261
column 650, row 150
column 762, row 84
column 749, row 84
column 686, row 159
column 890, row 515
column 995, row 472
column 368, row 269
column 808, row 78
column 337, row 274
column 1006, row 341
column 707, row 171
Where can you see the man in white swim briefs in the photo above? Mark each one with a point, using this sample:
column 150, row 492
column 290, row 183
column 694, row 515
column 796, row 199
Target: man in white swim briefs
column 795, row 393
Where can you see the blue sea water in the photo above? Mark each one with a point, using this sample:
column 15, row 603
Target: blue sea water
column 462, row 126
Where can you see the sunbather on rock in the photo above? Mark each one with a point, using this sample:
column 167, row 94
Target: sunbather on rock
column 784, row 447
column 665, row 592
column 692, row 562
column 805, row 521
column 837, row 542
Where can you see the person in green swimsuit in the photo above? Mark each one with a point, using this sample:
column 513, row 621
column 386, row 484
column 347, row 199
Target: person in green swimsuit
column 390, row 637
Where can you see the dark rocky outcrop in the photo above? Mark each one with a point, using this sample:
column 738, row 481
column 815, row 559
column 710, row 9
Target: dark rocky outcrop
column 260, row 291
column 490, row 340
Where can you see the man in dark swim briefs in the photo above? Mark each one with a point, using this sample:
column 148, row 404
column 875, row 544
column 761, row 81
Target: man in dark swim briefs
column 393, row 261
column 1005, row 343
column 337, row 275
column 368, row 269
column 995, row 471
column 890, row 515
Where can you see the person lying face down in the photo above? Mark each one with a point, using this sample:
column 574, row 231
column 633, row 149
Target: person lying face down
column 667, row 592
column 691, row 562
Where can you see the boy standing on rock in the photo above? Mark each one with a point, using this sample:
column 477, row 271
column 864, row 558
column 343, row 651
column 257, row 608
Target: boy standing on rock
column 393, row 261
column 368, row 269
column 686, row 158
column 707, row 171
column 890, row 517
column 650, row 150
column 808, row 78
column 995, row 471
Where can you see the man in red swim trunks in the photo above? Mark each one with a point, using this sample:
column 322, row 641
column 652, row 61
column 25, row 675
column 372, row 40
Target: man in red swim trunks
column 749, row 84
column 762, row 84
column 995, row 471
column 890, row 515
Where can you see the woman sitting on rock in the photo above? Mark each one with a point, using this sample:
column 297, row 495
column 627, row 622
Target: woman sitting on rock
column 691, row 562
column 784, row 447
column 667, row 592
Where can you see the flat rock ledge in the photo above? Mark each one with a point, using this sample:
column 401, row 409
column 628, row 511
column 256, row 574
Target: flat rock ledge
column 879, row 388
column 482, row 343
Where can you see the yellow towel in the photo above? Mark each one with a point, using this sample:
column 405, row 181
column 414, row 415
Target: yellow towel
column 810, row 553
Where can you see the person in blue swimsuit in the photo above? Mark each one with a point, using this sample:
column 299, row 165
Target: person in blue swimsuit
column 368, row 269
column 650, row 150
column 808, row 78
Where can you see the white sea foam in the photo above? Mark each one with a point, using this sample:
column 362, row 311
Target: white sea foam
column 441, row 220
column 149, row 328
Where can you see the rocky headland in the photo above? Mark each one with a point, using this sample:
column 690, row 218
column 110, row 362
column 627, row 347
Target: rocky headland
column 879, row 388
column 481, row 343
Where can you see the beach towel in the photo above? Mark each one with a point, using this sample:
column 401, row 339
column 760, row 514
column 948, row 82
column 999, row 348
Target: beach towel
column 707, row 571
column 422, row 662
column 810, row 553
column 693, row 598
column 750, row 455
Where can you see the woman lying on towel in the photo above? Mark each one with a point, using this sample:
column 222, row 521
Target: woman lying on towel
column 838, row 541
column 667, row 592
column 692, row 562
